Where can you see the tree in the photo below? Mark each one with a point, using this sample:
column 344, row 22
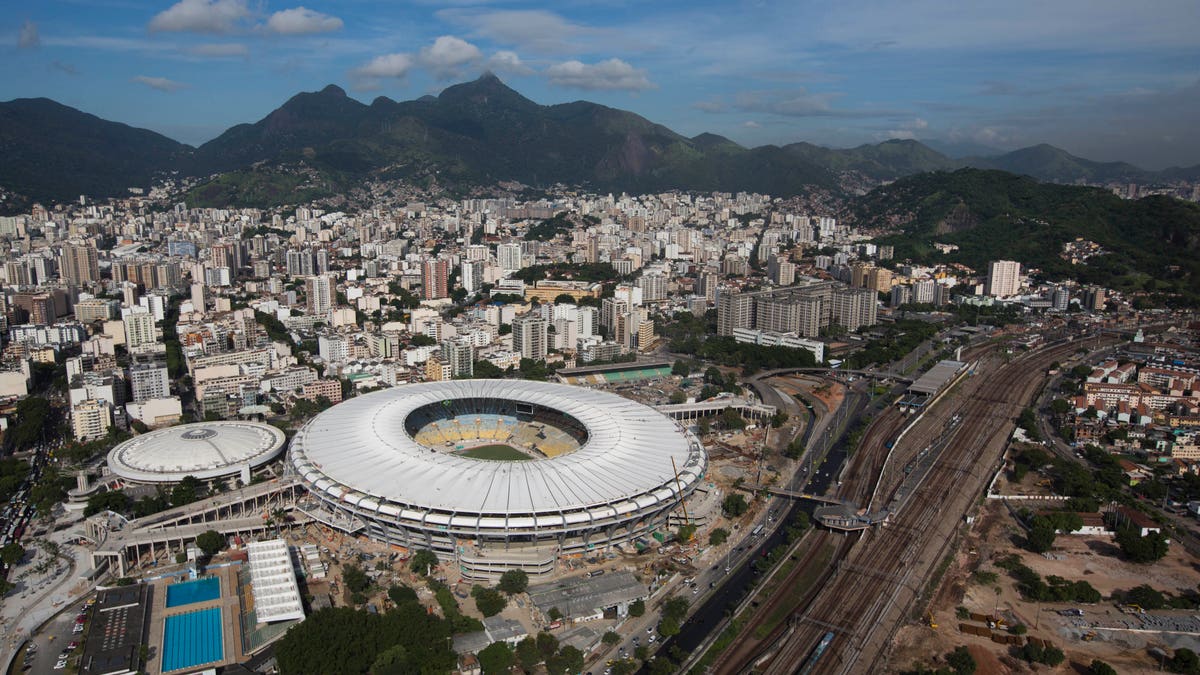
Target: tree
column 1053, row 656
column 1184, row 661
column 685, row 533
column 611, row 638
column 677, row 397
column 1041, row 535
column 112, row 500
column 1141, row 549
column 12, row 553
column 527, row 654
column 497, row 657
column 356, row 579
column 718, row 536
column 210, row 541
column 392, row 661
column 734, row 505
column 400, row 594
column 681, row 368
column 422, row 561
column 668, row 627
column 637, row 608
column 1018, row 629
column 555, row 614
column 547, row 644
column 961, row 661
column 1099, row 667
column 1146, row 597
column 489, row 601
column 567, row 660
column 186, row 491
column 730, row 419
column 513, row 582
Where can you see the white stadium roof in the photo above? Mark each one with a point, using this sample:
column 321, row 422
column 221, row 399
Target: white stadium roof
column 362, row 446
column 204, row 450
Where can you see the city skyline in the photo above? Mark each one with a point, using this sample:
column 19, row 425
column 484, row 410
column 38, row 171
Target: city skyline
column 1106, row 81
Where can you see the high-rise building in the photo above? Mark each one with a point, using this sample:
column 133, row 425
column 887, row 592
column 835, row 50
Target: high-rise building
column 529, row 335
column 79, row 263
column 96, row 309
column 91, row 419
column 139, row 328
column 472, row 275
column 1004, row 278
column 854, row 307
column 509, row 257
column 435, row 279
column 198, row 297
column 1093, row 299
column 301, row 263
column 148, row 381
column 781, row 271
column 459, row 354
column 1061, row 298
column 319, row 292
column 654, row 287
column 734, row 311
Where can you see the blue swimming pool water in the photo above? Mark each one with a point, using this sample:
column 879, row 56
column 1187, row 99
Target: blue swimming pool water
column 188, row 592
column 192, row 639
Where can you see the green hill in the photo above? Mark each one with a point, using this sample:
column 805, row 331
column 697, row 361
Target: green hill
column 1152, row 243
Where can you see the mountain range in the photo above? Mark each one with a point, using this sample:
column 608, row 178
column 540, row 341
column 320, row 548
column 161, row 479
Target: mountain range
column 478, row 132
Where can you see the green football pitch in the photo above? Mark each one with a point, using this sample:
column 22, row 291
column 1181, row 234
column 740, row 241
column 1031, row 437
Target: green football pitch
column 497, row 452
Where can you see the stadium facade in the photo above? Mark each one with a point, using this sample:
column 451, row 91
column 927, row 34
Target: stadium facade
column 401, row 466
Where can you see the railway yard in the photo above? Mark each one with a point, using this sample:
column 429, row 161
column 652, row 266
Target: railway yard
column 870, row 581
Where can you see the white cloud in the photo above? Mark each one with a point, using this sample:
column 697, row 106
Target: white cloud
column 751, row 124
column 613, row 74
column 302, row 21
column 220, row 50
column 201, row 16
column 159, row 83
column 508, row 62
column 386, row 66
column 533, row 30
column 449, row 57
column 28, row 38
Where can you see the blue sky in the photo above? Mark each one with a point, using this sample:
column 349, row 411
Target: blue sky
column 1104, row 79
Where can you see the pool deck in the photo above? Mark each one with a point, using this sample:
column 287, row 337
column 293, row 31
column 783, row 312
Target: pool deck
column 230, row 635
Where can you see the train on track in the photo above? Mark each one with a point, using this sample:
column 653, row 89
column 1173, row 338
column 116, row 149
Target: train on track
column 812, row 661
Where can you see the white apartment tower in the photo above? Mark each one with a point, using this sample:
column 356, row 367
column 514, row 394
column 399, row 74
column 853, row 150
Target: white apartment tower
column 1004, row 278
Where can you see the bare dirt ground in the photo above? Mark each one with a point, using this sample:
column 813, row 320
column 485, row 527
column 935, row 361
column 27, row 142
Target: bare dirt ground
column 995, row 534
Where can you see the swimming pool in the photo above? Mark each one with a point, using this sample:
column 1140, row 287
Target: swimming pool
column 189, row 592
column 192, row 639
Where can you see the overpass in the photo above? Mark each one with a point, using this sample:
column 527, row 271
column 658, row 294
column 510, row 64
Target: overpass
column 794, row 494
column 870, row 374
column 713, row 406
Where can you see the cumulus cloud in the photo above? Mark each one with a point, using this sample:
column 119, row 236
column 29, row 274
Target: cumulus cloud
column 448, row 57
column 508, row 62
column 201, row 16
column 533, row 30
column 28, row 38
column 159, row 83
column 386, row 66
column 302, row 21
column 220, row 50
column 613, row 74
column 751, row 124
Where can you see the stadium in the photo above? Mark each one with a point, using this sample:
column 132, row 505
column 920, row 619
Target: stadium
column 206, row 450
column 496, row 474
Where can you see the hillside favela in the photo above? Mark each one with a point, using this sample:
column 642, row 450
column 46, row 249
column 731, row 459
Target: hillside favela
column 503, row 338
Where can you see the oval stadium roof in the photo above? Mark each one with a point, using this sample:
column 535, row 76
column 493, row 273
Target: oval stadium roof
column 204, row 450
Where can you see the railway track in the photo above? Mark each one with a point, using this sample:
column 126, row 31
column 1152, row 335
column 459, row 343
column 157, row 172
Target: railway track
column 876, row 581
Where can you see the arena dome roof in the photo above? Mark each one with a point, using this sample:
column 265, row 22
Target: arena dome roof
column 205, row 450
column 631, row 453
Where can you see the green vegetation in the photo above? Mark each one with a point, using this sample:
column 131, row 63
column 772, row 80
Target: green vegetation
column 1035, row 653
column 1052, row 589
column 1141, row 549
column 12, row 473
column 504, row 453
column 513, row 582
column 459, row 623
column 734, row 505
column 488, row 601
column 343, row 640
column 1184, row 661
column 356, row 579
column 718, row 536
column 12, row 553
column 210, row 541
column 549, row 228
column 111, row 500
column 897, row 340
column 259, row 188
column 497, row 658
column 1151, row 243
column 1099, row 667
column 674, row 610
column 958, row 662
column 422, row 561
column 33, row 422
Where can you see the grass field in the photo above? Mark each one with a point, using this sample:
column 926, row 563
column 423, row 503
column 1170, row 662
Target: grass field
column 497, row 452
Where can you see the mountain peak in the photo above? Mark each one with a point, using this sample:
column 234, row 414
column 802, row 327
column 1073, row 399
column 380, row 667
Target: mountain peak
column 333, row 90
column 486, row 89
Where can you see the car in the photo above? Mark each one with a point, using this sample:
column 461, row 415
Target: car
column 650, row 631
column 695, row 590
column 60, row 665
column 653, row 638
column 73, row 646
